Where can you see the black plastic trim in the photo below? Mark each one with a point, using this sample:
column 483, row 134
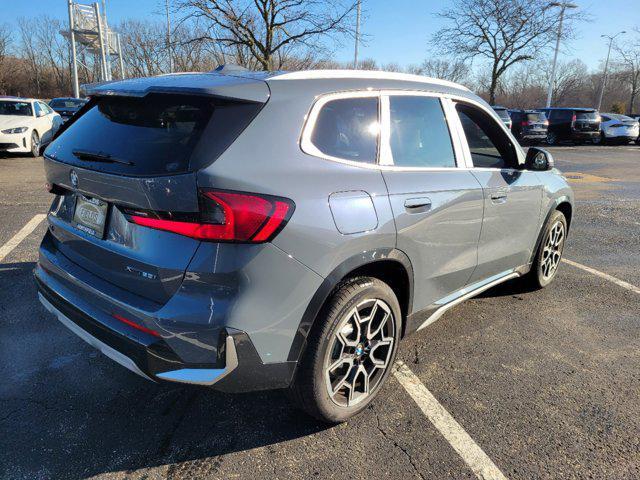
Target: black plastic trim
column 330, row 282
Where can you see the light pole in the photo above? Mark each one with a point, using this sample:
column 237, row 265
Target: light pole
column 563, row 6
column 166, row 6
column 355, row 53
column 606, row 66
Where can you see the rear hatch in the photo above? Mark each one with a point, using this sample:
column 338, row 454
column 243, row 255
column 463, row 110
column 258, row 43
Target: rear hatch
column 534, row 122
column 586, row 121
column 135, row 149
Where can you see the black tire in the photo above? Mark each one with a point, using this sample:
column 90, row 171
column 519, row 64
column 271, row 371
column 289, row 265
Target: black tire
column 542, row 273
column 552, row 138
column 310, row 389
column 601, row 140
column 35, row 144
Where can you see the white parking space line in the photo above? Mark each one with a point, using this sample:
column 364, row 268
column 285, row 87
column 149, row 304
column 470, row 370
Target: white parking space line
column 21, row 235
column 606, row 276
column 451, row 430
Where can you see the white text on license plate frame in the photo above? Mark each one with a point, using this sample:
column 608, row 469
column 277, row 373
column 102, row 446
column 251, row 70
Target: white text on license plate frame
column 90, row 215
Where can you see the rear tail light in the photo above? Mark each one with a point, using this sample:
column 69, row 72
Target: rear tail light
column 525, row 123
column 223, row 217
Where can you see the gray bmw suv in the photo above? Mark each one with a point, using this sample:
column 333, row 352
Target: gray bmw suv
column 250, row 231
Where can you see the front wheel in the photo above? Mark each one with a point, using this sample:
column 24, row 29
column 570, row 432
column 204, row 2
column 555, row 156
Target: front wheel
column 552, row 138
column 350, row 351
column 35, row 144
column 547, row 259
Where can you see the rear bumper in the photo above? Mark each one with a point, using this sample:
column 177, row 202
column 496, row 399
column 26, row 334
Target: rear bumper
column 575, row 135
column 237, row 367
column 533, row 135
column 620, row 137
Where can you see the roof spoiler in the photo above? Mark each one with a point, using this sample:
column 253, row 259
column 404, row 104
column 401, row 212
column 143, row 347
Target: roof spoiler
column 230, row 68
column 223, row 83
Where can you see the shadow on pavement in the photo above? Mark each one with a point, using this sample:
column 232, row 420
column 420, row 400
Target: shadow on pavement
column 70, row 412
column 517, row 286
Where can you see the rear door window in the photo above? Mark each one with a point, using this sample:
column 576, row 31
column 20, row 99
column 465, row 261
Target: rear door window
column 348, row 129
column 149, row 136
column 419, row 132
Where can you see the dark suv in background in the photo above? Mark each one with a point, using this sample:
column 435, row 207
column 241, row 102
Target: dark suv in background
column 529, row 125
column 67, row 107
column 572, row 124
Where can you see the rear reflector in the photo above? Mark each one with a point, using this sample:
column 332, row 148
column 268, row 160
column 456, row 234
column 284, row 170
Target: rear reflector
column 135, row 325
column 225, row 217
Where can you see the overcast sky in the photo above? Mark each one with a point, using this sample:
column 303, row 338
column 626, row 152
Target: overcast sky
column 397, row 30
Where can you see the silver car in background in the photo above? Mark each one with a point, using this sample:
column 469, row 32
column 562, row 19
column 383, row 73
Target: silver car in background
column 615, row 127
column 258, row 230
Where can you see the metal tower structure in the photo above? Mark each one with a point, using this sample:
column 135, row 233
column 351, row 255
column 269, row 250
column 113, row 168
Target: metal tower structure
column 90, row 32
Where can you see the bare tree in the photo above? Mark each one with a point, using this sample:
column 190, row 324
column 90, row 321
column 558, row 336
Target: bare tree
column 504, row 32
column 54, row 50
column 5, row 44
column 267, row 27
column 30, row 53
column 629, row 68
column 569, row 79
column 452, row 70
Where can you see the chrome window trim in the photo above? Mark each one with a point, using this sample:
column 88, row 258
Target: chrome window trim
column 308, row 147
column 386, row 157
column 448, row 100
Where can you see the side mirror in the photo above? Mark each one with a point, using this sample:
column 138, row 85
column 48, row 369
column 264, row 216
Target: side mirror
column 41, row 113
column 538, row 159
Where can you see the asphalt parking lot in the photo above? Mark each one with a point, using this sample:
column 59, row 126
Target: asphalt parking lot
column 545, row 383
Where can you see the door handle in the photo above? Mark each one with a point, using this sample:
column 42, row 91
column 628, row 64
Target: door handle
column 499, row 195
column 417, row 205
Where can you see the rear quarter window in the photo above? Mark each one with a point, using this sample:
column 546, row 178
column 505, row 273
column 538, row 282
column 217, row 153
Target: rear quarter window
column 345, row 129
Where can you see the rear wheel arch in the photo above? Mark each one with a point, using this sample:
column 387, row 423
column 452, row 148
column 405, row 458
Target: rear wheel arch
column 567, row 210
column 394, row 274
column 389, row 265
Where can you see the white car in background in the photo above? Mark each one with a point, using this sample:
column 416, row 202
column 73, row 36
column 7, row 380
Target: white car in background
column 26, row 125
column 615, row 127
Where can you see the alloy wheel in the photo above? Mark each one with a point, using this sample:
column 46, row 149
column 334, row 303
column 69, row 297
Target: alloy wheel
column 360, row 352
column 35, row 144
column 552, row 251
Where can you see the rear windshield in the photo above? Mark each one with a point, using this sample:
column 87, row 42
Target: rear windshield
column 536, row 116
column 150, row 136
column 622, row 118
column 502, row 113
column 587, row 116
column 22, row 109
column 67, row 103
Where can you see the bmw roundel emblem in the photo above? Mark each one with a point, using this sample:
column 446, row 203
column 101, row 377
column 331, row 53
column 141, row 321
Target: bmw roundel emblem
column 73, row 176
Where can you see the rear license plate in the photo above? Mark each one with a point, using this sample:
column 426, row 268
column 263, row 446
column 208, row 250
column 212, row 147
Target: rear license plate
column 90, row 215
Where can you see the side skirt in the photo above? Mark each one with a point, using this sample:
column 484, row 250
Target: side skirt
column 417, row 321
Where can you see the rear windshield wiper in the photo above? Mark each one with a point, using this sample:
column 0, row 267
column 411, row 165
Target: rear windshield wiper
column 99, row 157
